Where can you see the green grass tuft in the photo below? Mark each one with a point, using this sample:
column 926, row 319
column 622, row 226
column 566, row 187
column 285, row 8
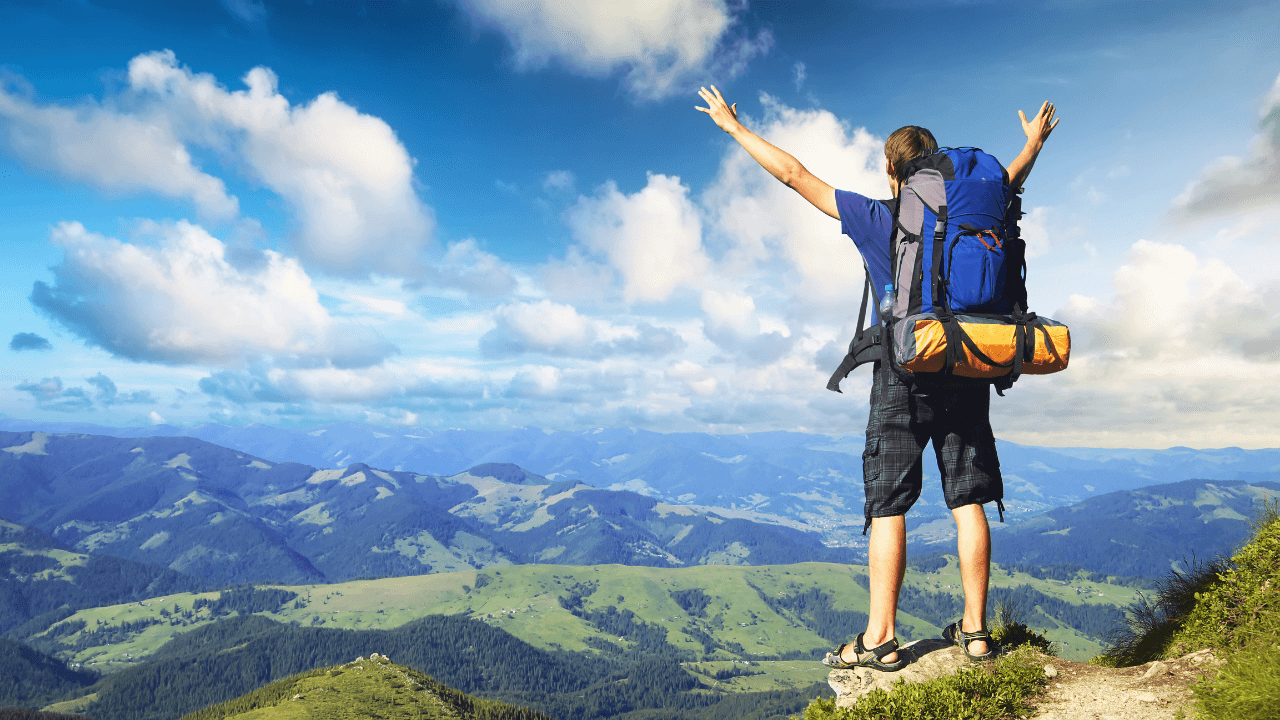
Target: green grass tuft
column 1248, row 686
column 974, row 692
column 1010, row 630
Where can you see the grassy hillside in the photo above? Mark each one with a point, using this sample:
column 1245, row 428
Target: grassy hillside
column 765, row 611
column 362, row 689
column 1229, row 605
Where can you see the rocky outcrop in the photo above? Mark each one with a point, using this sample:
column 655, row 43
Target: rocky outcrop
column 927, row 659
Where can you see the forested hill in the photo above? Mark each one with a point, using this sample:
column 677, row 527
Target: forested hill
column 363, row 688
column 32, row 679
column 41, row 582
column 222, row 661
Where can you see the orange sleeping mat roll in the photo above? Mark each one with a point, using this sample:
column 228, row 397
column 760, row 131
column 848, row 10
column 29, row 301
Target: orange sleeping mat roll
column 920, row 345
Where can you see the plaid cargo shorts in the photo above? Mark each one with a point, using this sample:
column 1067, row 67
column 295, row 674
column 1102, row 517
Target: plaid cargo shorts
column 906, row 417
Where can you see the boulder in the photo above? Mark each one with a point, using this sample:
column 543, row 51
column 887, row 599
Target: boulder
column 926, row 660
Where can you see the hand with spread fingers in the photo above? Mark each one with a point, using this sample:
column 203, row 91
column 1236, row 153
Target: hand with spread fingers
column 1039, row 127
column 1037, row 130
column 724, row 114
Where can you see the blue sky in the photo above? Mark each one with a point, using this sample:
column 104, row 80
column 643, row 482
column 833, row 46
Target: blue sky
column 488, row 213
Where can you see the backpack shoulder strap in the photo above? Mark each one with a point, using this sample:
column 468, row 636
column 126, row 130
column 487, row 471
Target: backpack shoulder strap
column 862, row 347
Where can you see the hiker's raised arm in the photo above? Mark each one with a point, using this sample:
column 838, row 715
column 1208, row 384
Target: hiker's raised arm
column 1037, row 130
column 778, row 162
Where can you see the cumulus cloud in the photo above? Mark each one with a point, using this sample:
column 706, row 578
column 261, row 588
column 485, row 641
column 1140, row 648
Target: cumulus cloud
column 765, row 222
column 555, row 329
column 1233, row 183
column 114, row 151
column 29, row 341
column 1183, row 339
column 732, row 323
column 467, row 267
column 652, row 238
column 346, row 174
column 183, row 303
column 661, row 46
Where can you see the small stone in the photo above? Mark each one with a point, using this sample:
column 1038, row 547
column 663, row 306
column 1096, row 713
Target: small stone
column 1050, row 671
column 1146, row 697
column 1157, row 668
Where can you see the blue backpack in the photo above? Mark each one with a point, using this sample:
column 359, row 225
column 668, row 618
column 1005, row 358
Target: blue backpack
column 955, row 251
column 955, row 247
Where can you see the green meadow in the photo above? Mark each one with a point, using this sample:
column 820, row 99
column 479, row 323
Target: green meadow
column 525, row 601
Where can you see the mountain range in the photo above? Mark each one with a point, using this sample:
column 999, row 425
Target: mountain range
column 807, row 480
column 225, row 517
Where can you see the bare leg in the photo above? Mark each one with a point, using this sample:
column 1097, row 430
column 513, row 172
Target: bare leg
column 973, row 542
column 887, row 558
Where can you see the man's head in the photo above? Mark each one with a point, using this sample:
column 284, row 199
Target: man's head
column 904, row 145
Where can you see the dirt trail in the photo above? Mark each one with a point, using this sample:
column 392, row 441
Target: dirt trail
column 1155, row 691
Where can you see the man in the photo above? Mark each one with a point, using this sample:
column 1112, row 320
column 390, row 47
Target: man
column 904, row 418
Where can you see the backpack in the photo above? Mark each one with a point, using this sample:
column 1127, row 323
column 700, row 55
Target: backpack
column 957, row 309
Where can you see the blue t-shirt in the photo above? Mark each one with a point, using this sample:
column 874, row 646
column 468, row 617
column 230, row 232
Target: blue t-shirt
column 867, row 222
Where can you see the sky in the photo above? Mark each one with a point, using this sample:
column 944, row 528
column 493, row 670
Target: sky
column 505, row 213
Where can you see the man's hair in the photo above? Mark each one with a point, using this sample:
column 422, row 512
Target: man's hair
column 906, row 144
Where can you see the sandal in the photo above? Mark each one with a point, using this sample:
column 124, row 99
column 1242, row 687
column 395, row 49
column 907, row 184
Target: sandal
column 866, row 658
column 953, row 634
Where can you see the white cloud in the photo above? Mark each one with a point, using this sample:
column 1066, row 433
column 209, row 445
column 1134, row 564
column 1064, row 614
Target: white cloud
column 556, row 329
column 800, row 75
column 390, row 381
column 732, row 311
column 183, row 303
column 766, row 222
column 695, row 377
column 660, row 45
column 1179, row 355
column 1034, row 230
column 653, row 238
column 346, row 174
column 113, row 151
column 1233, row 183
